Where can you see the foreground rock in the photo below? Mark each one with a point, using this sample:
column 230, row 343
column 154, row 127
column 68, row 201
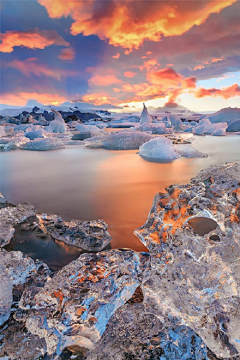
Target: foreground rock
column 196, row 277
column 134, row 334
column 87, row 235
column 74, row 307
column 11, row 216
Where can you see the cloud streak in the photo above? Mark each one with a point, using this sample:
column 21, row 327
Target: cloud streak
column 32, row 39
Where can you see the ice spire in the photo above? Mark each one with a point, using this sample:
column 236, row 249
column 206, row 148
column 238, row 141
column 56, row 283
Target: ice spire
column 145, row 117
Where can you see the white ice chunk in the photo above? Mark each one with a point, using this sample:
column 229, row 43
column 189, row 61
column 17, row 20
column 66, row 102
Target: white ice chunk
column 158, row 129
column 58, row 124
column 188, row 150
column 44, row 144
column 159, row 148
column 13, row 143
column 88, row 129
column 145, row 117
column 95, row 142
column 125, row 140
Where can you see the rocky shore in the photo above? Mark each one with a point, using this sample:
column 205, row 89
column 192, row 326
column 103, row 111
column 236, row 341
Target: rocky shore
column 178, row 301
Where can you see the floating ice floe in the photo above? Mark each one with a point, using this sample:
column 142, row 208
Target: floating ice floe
column 157, row 149
column 44, row 144
column 125, row 140
column 158, row 129
column 174, row 121
column 206, row 127
column 188, row 150
column 13, row 143
column 95, row 142
column 86, row 131
column 58, row 124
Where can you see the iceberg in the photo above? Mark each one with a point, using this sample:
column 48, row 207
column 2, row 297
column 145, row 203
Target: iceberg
column 43, row 144
column 2, row 131
column 234, row 126
column 41, row 133
column 157, row 149
column 145, row 117
column 158, row 129
column 58, row 124
column 206, row 127
column 91, row 130
column 95, row 142
column 125, row 140
column 174, row 121
column 13, row 143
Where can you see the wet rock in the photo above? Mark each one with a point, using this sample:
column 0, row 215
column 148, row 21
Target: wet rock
column 87, row 235
column 10, row 216
column 133, row 334
column 74, row 307
column 193, row 277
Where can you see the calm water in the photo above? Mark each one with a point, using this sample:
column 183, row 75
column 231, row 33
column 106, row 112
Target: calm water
column 117, row 186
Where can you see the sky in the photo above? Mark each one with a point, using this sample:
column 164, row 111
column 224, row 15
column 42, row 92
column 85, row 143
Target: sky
column 119, row 54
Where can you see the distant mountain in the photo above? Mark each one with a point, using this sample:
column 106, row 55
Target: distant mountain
column 225, row 115
column 169, row 107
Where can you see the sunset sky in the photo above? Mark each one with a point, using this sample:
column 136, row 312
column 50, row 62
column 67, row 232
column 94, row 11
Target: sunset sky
column 121, row 53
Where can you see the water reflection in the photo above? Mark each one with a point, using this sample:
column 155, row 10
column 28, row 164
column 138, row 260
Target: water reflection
column 117, row 186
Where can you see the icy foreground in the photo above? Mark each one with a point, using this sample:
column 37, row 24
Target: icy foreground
column 179, row 301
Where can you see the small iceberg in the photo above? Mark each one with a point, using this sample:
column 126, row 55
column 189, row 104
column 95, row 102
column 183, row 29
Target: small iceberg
column 44, row 144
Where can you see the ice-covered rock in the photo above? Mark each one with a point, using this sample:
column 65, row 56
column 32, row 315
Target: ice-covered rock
column 74, row 307
column 44, row 144
column 10, row 216
column 87, row 235
column 234, row 126
column 188, row 150
column 5, row 294
column 134, row 334
column 157, row 149
column 125, row 140
column 206, row 127
column 196, row 277
column 58, row 124
column 2, row 131
column 145, row 117
column 41, row 133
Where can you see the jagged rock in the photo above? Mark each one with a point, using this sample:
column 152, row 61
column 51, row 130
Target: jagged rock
column 87, row 235
column 133, row 334
column 74, row 307
column 10, row 216
column 196, row 278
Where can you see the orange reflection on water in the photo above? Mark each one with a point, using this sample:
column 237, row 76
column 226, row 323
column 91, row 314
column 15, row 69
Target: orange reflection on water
column 136, row 181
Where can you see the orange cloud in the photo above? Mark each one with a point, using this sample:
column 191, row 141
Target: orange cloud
column 28, row 67
column 67, row 54
column 129, row 74
column 151, row 65
column 117, row 56
column 21, row 98
column 113, row 20
column 217, row 60
column 32, row 39
column 199, row 67
column 104, row 80
column 226, row 93
column 166, row 75
column 97, row 98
